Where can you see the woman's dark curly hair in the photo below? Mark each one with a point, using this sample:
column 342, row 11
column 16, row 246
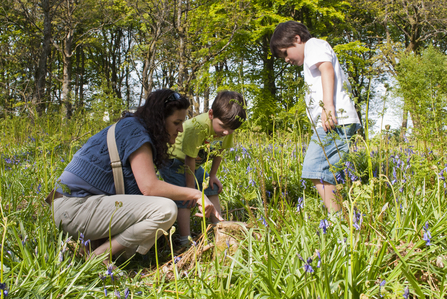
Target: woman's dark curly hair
column 159, row 105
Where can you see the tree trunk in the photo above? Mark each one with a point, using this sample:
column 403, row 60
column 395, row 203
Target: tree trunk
column 81, row 79
column 42, row 67
column 206, row 99
column 404, row 127
column 181, row 50
column 66, row 81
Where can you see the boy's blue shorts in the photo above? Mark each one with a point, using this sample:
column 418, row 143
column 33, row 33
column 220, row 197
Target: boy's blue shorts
column 174, row 173
column 315, row 165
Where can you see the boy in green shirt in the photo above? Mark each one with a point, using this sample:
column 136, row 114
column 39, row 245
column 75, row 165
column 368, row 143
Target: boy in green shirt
column 214, row 128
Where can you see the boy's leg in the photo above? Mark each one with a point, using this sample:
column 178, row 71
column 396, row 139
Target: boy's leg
column 326, row 192
column 215, row 200
column 174, row 173
column 316, row 165
column 183, row 221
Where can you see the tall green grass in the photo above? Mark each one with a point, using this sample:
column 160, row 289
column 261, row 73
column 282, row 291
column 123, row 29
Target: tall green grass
column 294, row 248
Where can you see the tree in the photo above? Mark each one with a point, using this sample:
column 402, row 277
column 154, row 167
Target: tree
column 422, row 82
column 414, row 24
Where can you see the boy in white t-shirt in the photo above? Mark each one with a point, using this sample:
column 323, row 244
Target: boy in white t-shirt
column 329, row 106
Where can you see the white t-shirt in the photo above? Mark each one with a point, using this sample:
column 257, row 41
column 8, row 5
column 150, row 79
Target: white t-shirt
column 315, row 51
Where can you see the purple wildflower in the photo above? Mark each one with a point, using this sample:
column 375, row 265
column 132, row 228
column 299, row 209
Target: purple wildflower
column 303, row 183
column 126, row 293
column 339, row 178
column 300, row 205
column 382, row 284
column 110, row 271
column 427, row 235
column 358, row 219
column 394, row 176
column 4, row 289
column 349, row 170
column 117, row 294
column 177, row 259
column 324, row 224
column 319, row 259
column 407, row 292
column 263, row 221
column 307, row 267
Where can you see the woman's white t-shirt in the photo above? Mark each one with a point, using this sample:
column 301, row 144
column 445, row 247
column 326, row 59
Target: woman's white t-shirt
column 315, row 51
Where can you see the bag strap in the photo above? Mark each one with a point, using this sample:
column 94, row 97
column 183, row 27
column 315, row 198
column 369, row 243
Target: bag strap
column 115, row 161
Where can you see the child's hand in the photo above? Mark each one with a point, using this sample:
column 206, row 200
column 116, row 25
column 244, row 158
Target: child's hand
column 215, row 180
column 328, row 119
column 209, row 209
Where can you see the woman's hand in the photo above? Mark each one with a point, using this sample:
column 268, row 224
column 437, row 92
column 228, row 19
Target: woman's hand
column 209, row 208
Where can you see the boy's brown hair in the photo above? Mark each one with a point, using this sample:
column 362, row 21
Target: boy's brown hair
column 229, row 107
column 284, row 36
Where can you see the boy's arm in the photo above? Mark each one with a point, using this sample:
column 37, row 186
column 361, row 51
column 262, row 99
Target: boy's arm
column 190, row 167
column 328, row 119
column 213, row 172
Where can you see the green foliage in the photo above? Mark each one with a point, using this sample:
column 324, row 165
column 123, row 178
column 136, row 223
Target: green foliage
column 423, row 85
column 379, row 237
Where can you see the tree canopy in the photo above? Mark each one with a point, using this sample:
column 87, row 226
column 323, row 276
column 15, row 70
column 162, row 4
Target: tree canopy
column 75, row 56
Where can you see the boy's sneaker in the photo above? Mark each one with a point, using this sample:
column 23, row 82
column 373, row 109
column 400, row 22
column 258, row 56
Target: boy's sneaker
column 184, row 241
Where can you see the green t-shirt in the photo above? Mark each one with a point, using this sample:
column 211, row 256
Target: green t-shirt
column 197, row 132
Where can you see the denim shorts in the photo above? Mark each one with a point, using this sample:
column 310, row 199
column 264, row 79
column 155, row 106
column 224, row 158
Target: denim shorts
column 174, row 173
column 336, row 146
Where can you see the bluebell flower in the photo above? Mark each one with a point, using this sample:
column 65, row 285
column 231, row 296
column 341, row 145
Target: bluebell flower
column 407, row 292
column 252, row 182
column 427, row 235
column 105, row 291
column 177, row 259
column 300, row 205
column 303, row 183
column 394, row 176
column 248, row 169
column 110, row 271
column 358, row 219
column 263, row 221
column 117, row 294
column 319, row 259
column 324, row 224
column 4, row 289
column 339, row 178
column 307, row 267
column 126, row 293
column 83, row 242
column 382, row 284
column 322, row 182
column 349, row 170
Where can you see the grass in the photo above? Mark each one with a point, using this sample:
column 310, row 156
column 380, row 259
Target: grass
column 294, row 249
